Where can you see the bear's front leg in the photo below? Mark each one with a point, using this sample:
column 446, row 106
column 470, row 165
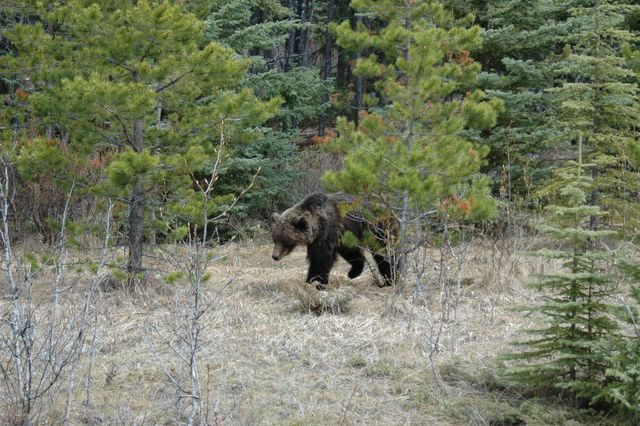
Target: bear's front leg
column 319, row 277
column 320, row 264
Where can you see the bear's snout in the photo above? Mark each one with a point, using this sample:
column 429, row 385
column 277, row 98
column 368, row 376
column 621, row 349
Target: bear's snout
column 280, row 251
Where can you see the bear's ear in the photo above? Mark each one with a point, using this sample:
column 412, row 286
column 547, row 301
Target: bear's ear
column 275, row 217
column 301, row 225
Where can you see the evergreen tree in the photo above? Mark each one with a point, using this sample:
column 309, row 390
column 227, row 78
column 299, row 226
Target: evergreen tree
column 520, row 42
column 251, row 28
column 622, row 386
column 529, row 50
column 407, row 155
column 259, row 32
column 136, row 81
column 567, row 350
column 599, row 99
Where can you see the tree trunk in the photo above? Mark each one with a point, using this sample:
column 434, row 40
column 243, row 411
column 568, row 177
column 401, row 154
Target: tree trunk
column 412, row 92
column 343, row 71
column 595, row 194
column 307, row 19
column 326, row 68
column 290, row 42
column 298, row 32
column 358, row 95
column 136, row 210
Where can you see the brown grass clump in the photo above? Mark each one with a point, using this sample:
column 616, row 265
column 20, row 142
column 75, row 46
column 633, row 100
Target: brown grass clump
column 332, row 300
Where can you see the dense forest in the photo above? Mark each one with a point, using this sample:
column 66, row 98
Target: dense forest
column 145, row 144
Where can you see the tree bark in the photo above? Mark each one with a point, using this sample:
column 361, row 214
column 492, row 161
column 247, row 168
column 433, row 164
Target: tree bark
column 290, row 41
column 326, row 68
column 343, row 71
column 298, row 33
column 595, row 193
column 136, row 210
column 358, row 83
column 307, row 19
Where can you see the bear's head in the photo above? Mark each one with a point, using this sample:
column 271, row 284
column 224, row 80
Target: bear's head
column 290, row 229
column 297, row 225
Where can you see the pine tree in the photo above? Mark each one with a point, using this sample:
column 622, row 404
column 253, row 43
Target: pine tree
column 135, row 80
column 567, row 349
column 407, row 156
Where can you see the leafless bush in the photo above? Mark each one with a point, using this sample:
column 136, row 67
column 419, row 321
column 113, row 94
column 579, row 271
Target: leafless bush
column 186, row 319
column 449, row 260
column 180, row 330
column 42, row 334
column 436, row 254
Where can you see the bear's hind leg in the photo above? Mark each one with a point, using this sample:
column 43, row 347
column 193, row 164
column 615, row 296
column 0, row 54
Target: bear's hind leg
column 386, row 269
column 355, row 257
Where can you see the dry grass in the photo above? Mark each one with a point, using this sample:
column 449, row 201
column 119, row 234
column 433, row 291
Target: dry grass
column 277, row 351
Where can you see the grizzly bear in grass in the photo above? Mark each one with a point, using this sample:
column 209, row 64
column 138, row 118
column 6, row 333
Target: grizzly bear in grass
column 316, row 222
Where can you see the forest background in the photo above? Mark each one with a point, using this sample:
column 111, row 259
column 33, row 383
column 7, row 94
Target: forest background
column 179, row 127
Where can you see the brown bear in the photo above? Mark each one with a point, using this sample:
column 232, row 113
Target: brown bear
column 316, row 222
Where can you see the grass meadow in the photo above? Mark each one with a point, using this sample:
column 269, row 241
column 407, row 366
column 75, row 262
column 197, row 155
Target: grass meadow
column 274, row 350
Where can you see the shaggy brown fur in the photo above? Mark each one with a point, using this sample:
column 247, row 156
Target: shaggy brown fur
column 316, row 223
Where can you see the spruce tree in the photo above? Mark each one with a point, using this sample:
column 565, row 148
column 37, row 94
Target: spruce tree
column 599, row 98
column 407, row 156
column 259, row 32
column 531, row 49
column 566, row 349
column 622, row 386
column 520, row 42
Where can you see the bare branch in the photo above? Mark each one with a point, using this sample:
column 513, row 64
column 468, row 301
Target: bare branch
column 172, row 82
column 125, row 130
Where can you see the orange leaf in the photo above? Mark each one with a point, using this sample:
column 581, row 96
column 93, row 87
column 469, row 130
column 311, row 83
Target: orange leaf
column 21, row 94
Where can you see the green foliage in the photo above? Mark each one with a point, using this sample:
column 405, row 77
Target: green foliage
column 42, row 157
column 234, row 23
column 411, row 144
column 173, row 277
column 349, row 239
column 271, row 155
column 257, row 30
column 302, row 90
column 559, row 69
column 599, row 101
column 135, row 81
column 568, row 348
column 517, row 54
column 623, row 377
column 129, row 166
column 622, row 387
